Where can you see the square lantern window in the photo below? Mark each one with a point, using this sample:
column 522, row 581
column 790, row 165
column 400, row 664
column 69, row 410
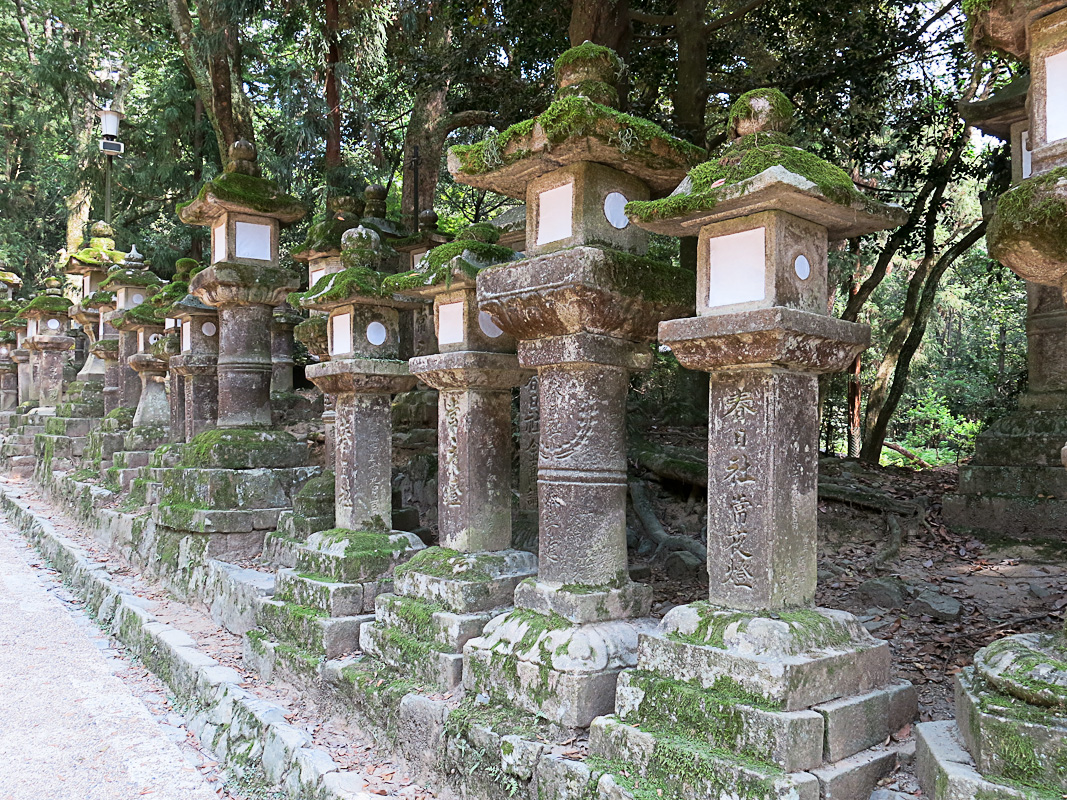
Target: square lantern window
column 187, row 336
column 87, row 284
column 253, row 241
column 1056, row 97
column 100, row 327
column 170, row 322
column 737, row 268
column 218, row 242
column 31, row 327
column 315, row 275
column 450, row 323
column 340, row 334
column 555, row 214
column 1026, row 153
column 140, row 341
column 417, row 257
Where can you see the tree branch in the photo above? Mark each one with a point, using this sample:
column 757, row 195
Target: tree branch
column 732, row 17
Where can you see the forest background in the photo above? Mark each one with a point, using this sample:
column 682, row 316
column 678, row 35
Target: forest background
column 340, row 93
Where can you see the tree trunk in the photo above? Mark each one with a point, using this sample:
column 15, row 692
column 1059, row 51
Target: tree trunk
column 691, row 95
column 603, row 22
column 333, row 95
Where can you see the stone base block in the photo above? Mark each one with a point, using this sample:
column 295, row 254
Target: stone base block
column 1008, row 738
column 1036, row 517
column 428, row 622
column 69, row 426
column 946, row 770
column 130, row 459
column 355, row 556
column 855, row 777
column 465, row 582
column 790, row 740
column 684, row 768
column 198, row 520
column 335, row 598
column 862, row 721
column 418, row 657
column 588, row 604
column 276, row 660
column 795, row 661
column 540, row 663
column 280, row 550
column 310, row 629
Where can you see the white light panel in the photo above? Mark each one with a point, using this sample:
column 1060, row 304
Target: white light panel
column 341, row 340
column 253, row 241
column 450, row 323
column 218, row 243
column 555, row 212
column 737, row 268
column 1056, row 97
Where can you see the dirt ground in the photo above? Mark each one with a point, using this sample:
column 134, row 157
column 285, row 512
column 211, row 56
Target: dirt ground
column 1002, row 586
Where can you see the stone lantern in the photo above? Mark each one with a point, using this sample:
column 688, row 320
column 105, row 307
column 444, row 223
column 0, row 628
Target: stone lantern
column 132, row 284
column 9, row 386
column 474, row 374
column 363, row 373
column 86, row 270
column 27, row 387
column 1011, row 704
column 9, row 282
column 321, row 251
column 196, row 362
column 47, row 325
column 228, row 485
column 583, row 307
column 762, row 332
column 169, row 345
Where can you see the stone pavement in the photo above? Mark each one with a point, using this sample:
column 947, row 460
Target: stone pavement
column 69, row 728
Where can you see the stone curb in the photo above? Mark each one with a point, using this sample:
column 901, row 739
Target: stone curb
column 245, row 732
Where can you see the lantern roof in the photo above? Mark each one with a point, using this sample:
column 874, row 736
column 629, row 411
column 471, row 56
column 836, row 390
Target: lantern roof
column 240, row 189
column 582, row 124
column 762, row 170
column 1003, row 24
column 996, row 114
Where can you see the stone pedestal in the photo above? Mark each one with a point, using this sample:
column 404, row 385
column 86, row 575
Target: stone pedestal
column 199, row 372
column 108, row 352
column 152, row 408
column 363, row 463
column 9, row 387
column 28, row 391
column 53, row 354
column 283, row 322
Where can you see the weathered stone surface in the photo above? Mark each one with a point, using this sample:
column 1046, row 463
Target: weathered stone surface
column 934, row 604
column 817, row 656
column 887, row 593
column 465, row 583
column 792, row 740
column 855, row 776
column 587, row 604
column 947, row 772
column 355, row 556
column 545, row 665
column 660, row 759
column 336, row 598
column 861, row 721
column 311, row 628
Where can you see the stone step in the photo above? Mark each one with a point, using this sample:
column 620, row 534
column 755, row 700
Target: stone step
column 671, row 766
column 127, row 476
column 337, row 599
column 199, row 520
column 946, row 770
column 23, row 461
column 310, row 629
column 1025, row 481
column 278, row 660
column 68, row 426
column 1024, row 517
column 129, row 459
column 355, row 556
column 279, row 549
column 429, row 622
column 465, row 582
column 418, row 657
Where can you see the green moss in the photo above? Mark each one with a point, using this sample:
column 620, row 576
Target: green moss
column 258, row 194
column 744, row 159
column 324, row 234
column 809, row 628
column 1033, row 210
column 123, row 414
column 143, row 314
column 575, row 116
column 598, row 91
column 313, row 329
column 240, row 448
column 130, row 277
column 98, row 299
column 340, row 286
column 107, row 344
column 589, row 52
column 95, row 252
column 782, row 110
column 442, row 562
column 45, row 304
column 480, row 232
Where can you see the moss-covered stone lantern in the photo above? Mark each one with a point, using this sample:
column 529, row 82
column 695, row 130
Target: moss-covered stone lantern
column 474, row 374
column 764, row 211
column 27, row 388
column 132, row 283
column 47, row 325
column 363, row 373
column 10, row 282
column 582, row 307
column 197, row 362
column 9, row 384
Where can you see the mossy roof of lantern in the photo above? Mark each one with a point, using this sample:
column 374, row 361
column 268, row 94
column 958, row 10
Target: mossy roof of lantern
column 235, row 191
column 98, row 299
column 190, row 305
column 45, row 304
column 574, row 129
column 93, row 256
column 143, row 314
column 763, row 172
column 171, row 293
column 311, row 329
column 462, row 259
column 122, row 276
column 587, row 51
column 10, row 306
column 324, row 235
column 16, row 323
column 8, row 336
column 358, row 284
column 10, row 278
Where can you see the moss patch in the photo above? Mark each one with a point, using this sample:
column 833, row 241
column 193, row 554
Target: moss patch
column 45, row 304
column 744, row 159
column 1035, row 211
column 253, row 192
column 130, row 277
column 809, row 628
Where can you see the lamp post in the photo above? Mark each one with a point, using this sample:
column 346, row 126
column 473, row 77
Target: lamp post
column 110, row 146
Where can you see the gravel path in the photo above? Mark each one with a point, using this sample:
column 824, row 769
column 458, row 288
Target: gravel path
column 69, row 727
